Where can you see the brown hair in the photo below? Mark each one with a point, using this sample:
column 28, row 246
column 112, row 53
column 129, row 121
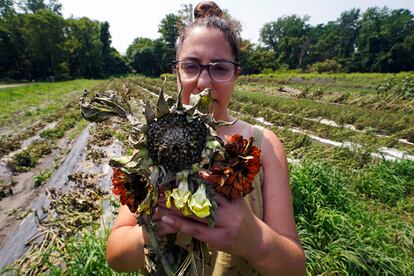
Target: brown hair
column 209, row 14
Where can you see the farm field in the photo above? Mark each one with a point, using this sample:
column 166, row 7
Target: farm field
column 349, row 139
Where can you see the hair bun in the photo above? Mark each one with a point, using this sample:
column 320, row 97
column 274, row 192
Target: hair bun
column 207, row 9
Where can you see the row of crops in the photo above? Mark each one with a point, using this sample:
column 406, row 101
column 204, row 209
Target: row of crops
column 353, row 209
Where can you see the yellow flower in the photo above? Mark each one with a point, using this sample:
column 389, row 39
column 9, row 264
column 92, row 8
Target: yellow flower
column 186, row 211
column 181, row 194
column 199, row 203
column 168, row 196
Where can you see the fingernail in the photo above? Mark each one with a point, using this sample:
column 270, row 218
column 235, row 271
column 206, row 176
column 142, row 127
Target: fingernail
column 167, row 220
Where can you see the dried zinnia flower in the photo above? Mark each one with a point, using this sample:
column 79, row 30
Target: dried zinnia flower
column 131, row 189
column 234, row 175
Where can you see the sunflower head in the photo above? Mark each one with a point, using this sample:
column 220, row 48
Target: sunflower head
column 176, row 141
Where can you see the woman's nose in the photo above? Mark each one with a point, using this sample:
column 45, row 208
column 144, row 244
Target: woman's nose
column 204, row 80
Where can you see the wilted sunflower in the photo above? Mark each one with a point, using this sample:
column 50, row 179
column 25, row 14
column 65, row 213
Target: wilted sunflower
column 173, row 144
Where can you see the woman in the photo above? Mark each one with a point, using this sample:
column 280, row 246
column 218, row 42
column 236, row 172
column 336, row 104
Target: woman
column 252, row 235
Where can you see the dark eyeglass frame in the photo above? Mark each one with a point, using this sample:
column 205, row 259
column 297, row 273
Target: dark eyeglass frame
column 207, row 67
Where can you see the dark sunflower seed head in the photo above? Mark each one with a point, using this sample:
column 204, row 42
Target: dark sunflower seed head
column 175, row 142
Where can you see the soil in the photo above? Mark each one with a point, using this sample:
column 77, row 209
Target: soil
column 21, row 211
column 12, row 85
column 14, row 208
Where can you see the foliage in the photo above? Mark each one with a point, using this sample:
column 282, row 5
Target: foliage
column 378, row 40
column 339, row 232
column 42, row 177
column 37, row 43
column 169, row 29
column 401, row 87
column 387, row 182
column 255, row 59
column 326, row 66
column 287, row 36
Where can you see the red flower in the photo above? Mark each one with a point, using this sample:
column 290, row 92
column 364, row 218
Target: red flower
column 234, row 175
column 131, row 189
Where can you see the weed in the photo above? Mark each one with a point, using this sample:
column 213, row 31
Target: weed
column 42, row 177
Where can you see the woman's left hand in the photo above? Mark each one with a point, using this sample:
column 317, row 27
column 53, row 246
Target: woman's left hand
column 236, row 230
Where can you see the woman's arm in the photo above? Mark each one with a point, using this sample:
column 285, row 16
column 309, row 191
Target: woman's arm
column 280, row 248
column 125, row 247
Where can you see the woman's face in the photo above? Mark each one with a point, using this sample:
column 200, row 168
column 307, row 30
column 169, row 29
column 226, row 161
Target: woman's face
column 204, row 46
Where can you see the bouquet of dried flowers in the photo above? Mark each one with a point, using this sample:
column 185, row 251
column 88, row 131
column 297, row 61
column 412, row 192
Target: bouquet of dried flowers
column 177, row 153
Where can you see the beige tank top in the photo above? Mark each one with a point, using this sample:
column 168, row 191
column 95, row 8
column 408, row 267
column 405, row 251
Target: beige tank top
column 226, row 264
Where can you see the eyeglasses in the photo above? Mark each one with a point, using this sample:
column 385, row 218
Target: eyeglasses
column 220, row 71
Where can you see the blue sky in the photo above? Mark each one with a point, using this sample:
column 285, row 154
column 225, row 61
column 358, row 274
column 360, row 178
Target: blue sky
column 129, row 19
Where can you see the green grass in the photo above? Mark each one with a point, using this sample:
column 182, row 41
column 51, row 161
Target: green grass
column 82, row 254
column 26, row 159
column 86, row 254
column 340, row 231
column 28, row 109
column 23, row 105
column 366, row 80
column 42, row 177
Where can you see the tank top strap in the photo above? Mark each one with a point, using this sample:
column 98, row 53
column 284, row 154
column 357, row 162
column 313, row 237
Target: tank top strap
column 258, row 135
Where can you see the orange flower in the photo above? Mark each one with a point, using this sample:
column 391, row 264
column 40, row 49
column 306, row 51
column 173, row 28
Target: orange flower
column 131, row 189
column 234, row 176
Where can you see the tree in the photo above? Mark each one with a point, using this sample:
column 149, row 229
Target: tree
column 32, row 6
column 186, row 14
column 143, row 58
column 380, row 39
column 348, row 28
column 287, row 36
column 7, row 8
column 254, row 59
column 169, row 29
column 324, row 43
column 112, row 61
column 43, row 33
column 84, row 48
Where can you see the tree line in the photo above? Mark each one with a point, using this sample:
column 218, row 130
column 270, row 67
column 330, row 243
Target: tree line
column 377, row 40
column 36, row 42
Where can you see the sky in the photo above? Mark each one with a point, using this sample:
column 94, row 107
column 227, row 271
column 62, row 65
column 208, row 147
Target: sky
column 129, row 19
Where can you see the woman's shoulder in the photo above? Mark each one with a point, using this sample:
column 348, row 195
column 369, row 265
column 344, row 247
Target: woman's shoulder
column 270, row 144
column 266, row 139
